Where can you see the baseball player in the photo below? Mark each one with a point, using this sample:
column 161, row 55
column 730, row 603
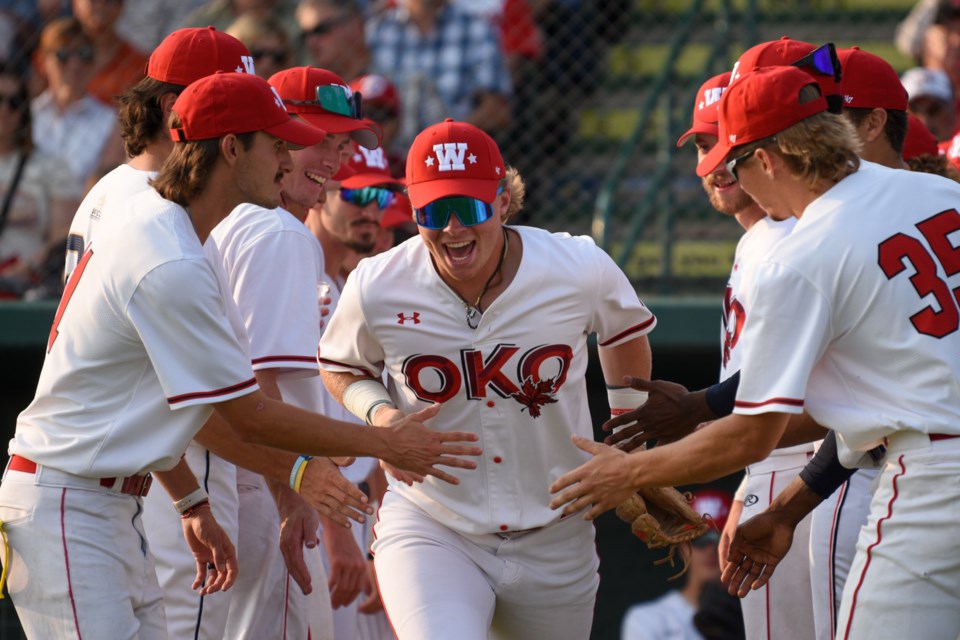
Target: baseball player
column 125, row 385
column 183, row 56
column 490, row 321
column 348, row 223
column 282, row 318
column 872, row 305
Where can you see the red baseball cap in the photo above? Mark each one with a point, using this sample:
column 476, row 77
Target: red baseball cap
column 919, row 140
column 370, row 167
column 713, row 503
column 377, row 90
column 869, row 82
column 225, row 103
column 398, row 213
column 762, row 103
column 323, row 99
column 186, row 55
column 783, row 52
column 705, row 111
column 453, row 159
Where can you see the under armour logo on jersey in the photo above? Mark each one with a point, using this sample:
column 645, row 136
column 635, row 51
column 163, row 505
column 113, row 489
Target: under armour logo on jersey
column 450, row 156
column 247, row 67
column 414, row 317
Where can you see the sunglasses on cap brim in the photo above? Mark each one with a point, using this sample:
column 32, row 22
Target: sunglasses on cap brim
column 334, row 98
column 362, row 197
column 825, row 61
column 469, row 211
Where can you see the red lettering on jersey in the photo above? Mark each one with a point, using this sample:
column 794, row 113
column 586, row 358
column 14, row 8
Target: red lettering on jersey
column 67, row 294
column 482, row 373
column 734, row 315
column 415, row 317
column 537, row 391
column 450, row 380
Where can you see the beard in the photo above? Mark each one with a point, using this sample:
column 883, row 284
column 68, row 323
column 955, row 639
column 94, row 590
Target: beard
column 726, row 205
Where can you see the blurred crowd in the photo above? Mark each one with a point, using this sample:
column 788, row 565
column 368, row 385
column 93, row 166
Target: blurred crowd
column 492, row 63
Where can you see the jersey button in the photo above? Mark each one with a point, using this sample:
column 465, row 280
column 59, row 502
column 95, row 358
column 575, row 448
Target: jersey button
column 491, row 403
column 503, row 527
column 497, row 459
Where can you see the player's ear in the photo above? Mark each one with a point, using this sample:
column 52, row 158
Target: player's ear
column 166, row 104
column 229, row 147
column 766, row 159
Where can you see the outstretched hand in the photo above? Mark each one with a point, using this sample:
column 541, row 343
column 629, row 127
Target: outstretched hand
column 332, row 495
column 601, row 483
column 758, row 546
column 670, row 413
column 415, row 448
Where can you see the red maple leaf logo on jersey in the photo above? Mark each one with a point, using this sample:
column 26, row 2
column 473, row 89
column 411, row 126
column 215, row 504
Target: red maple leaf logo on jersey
column 533, row 395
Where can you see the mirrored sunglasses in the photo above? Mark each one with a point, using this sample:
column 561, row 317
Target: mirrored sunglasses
column 732, row 163
column 469, row 211
column 363, row 197
column 335, row 98
column 824, row 60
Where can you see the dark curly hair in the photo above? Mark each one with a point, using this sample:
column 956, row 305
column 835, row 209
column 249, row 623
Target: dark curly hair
column 141, row 114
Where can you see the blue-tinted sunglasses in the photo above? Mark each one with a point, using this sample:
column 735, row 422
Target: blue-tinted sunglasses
column 469, row 211
column 362, row 197
column 825, row 61
column 335, row 98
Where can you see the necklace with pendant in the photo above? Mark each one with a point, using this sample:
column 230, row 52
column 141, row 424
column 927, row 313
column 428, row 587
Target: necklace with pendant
column 474, row 312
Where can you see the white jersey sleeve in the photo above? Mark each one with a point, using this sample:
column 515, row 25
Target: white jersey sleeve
column 348, row 333
column 192, row 322
column 619, row 315
column 271, row 267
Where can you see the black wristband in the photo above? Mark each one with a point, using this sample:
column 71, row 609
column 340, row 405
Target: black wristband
column 721, row 397
column 824, row 474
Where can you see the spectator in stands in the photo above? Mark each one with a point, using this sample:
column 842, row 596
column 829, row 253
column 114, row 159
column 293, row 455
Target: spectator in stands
column 331, row 33
column 671, row 615
column 145, row 23
column 932, row 100
column 116, row 65
column 37, row 198
column 445, row 63
column 68, row 121
column 222, row 13
column 267, row 41
column 381, row 103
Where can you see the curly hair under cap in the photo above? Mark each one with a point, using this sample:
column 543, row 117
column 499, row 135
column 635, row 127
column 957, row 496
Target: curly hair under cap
column 824, row 146
column 518, row 191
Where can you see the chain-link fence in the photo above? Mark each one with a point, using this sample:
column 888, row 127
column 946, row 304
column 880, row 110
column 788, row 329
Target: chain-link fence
column 595, row 114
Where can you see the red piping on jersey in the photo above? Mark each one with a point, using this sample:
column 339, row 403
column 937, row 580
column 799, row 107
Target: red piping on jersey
column 310, row 359
column 66, row 558
column 793, row 402
column 346, row 366
column 211, row 394
column 286, row 606
column 633, row 329
column 866, row 565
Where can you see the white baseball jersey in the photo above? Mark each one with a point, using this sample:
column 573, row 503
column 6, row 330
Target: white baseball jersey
column 517, row 381
column 858, row 317
column 100, row 203
column 669, row 616
column 129, row 351
column 755, row 243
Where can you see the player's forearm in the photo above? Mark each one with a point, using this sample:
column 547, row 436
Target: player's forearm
column 259, row 420
column 632, row 358
column 801, row 429
column 728, row 445
column 337, row 382
column 794, row 503
column 220, row 438
column 178, row 481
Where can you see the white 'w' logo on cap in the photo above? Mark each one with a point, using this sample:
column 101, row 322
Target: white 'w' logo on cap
column 450, row 155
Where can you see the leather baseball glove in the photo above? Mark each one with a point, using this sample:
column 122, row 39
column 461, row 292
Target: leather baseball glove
column 662, row 517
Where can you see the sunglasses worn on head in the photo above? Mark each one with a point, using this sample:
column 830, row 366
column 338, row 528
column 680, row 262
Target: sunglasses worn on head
column 83, row 54
column 323, row 28
column 469, row 211
column 335, row 98
column 824, row 60
column 362, row 197
column 732, row 163
column 279, row 56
